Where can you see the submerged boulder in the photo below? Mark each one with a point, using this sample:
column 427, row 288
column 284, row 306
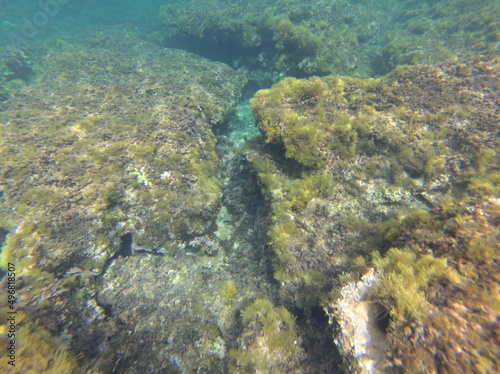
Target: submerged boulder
column 270, row 39
column 113, row 139
column 109, row 168
column 395, row 177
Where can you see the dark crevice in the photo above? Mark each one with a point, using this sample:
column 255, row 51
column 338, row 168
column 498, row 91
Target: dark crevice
column 108, row 308
column 242, row 197
column 125, row 247
column 317, row 335
column 125, row 250
column 382, row 317
column 3, row 234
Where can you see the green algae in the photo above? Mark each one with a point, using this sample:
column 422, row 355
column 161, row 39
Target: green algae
column 397, row 181
column 277, row 338
column 228, row 290
column 95, row 167
column 405, row 279
column 37, row 349
column 280, row 38
column 308, row 137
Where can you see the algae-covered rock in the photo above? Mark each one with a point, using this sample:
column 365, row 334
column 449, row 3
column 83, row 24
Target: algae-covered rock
column 175, row 313
column 272, row 39
column 114, row 138
column 35, row 350
column 269, row 342
column 393, row 174
column 108, row 162
column 184, row 314
column 16, row 69
column 434, row 31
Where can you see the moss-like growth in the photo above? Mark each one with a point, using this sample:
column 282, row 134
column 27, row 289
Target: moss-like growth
column 405, row 278
column 300, row 192
column 17, row 245
column 277, row 38
column 277, row 323
column 405, row 167
column 483, row 248
column 410, row 221
column 128, row 169
column 228, row 290
column 37, row 351
column 292, row 40
column 300, row 135
column 276, row 342
column 315, row 284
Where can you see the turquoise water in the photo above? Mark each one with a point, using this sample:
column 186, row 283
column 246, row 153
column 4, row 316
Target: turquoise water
column 217, row 186
column 36, row 20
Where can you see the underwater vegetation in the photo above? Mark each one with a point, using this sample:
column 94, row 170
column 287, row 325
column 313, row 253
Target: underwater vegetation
column 102, row 149
column 110, row 153
column 184, row 318
column 367, row 211
column 272, row 39
column 39, row 351
column 397, row 174
column 405, row 279
column 269, row 342
column 16, row 70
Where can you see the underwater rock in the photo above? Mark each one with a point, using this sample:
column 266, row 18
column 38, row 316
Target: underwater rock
column 109, row 158
column 16, row 70
column 272, row 39
column 171, row 311
column 361, row 338
column 269, row 342
column 113, row 138
column 394, row 174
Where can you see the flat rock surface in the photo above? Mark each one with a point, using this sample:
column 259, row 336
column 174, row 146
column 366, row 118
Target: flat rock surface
column 113, row 138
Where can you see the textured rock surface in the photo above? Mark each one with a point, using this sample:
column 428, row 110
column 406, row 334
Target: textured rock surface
column 114, row 138
column 354, row 168
column 108, row 157
column 273, row 39
column 136, row 253
column 174, row 312
column 360, row 337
